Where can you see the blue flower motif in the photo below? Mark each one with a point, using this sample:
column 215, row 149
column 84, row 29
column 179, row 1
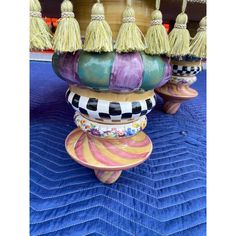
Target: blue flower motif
column 129, row 132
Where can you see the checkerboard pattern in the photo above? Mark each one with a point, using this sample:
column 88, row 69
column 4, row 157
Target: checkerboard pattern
column 102, row 110
column 186, row 70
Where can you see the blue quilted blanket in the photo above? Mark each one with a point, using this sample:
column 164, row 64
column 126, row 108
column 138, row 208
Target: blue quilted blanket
column 166, row 195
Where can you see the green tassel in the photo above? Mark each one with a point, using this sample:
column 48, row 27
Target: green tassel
column 40, row 35
column 156, row 37
column 179, row 37
column 98, row 36
column 67, row 36
column 129, row 38
column 198, row 45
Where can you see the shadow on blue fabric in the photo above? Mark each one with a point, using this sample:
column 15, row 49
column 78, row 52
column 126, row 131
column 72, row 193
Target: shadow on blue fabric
column 166, row 195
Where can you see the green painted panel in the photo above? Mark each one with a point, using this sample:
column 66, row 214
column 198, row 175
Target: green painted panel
column 94, row 69
column 154, row 68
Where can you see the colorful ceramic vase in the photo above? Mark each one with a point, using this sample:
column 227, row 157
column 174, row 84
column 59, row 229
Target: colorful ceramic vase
column 111, row 95
column 177, row 90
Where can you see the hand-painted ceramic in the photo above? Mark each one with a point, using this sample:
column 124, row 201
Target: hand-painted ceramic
column 104, row 130
column 112, row 71
column 187, row 58
column 186, row 68
column 176, row 90
column 187, row 80
column 108, row 157
column 110, row 107
column 174, row 94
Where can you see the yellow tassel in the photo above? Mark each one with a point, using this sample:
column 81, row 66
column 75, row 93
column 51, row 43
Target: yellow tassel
column 98, row 36
column 129, row 38
column 67, row 36
column 156, row 37
column 40, row 35
column 179, row 37
column 198, row 44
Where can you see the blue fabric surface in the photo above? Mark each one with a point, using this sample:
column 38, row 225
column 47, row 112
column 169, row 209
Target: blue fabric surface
column 166, row 195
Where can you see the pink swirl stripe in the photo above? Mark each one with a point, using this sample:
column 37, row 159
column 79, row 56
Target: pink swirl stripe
column 79, row 148
column 100, row 157
column 113, row 149
column 107, row 154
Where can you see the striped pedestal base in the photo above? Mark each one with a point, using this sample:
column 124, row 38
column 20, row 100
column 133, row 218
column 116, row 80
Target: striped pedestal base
column 174, row 95
column 171, row 107
column 108, row 156
column 177, row 90
column 109, row 137
column 107, row 177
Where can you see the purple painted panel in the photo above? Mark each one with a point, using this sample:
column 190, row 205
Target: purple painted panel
column 127, row 72
column 167, row 72
column 67, row 66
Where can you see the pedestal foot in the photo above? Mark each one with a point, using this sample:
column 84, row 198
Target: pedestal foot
column 107, row 177
column 174, row 95
column 171, row 107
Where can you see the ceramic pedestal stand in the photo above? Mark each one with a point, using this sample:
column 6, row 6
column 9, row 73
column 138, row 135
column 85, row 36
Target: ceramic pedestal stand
column 109, row 137
column 108, row 156
column 111, row 94
column 177, row 90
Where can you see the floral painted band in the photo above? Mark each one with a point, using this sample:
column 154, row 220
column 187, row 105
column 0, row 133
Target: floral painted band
column 183, row 80
column 110, row 130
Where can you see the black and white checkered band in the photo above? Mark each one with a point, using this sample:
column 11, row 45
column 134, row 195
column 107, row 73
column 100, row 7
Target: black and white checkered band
column 186, row 70
column 103, row 110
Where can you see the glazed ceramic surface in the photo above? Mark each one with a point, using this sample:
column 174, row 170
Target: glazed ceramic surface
column 186, row 58
column 110, row 107
column 108, row 154
column 107, row 177
column 112, row 71
column 187, row 80
column 177, row 92
column 186, row 68
column 104, row 130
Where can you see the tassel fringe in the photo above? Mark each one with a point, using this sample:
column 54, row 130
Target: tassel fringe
column 179, row 37
column 129, row 38
column 198, row 44
column 98, row 36
column 40, row 35
column 156, row 37
column 67, row 36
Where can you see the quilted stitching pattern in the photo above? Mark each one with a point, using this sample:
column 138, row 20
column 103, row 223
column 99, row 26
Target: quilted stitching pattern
column 166, row 195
